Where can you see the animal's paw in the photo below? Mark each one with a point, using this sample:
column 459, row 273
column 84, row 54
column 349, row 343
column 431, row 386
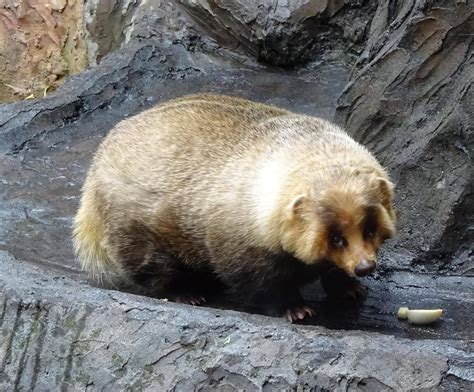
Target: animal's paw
column 189, row 299
column 356, row 292
column 339, row 285
column 297, row 313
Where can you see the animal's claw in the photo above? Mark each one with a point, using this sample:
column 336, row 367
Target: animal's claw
column 298, row 313
column 190, row 300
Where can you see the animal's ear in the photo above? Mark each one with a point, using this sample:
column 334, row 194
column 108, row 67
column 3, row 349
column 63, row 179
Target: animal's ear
column 297, row 206
column 385, row 191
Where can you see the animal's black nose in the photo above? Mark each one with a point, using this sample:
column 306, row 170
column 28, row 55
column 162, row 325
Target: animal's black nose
column 365, row 267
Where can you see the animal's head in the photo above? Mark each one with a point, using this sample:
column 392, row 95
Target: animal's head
column 345, row 224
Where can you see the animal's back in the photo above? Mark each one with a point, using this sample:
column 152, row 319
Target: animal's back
column 163, row 169
column 181, row 137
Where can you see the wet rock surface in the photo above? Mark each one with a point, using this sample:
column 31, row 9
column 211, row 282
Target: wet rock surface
column 60, row 333
column 58, row 330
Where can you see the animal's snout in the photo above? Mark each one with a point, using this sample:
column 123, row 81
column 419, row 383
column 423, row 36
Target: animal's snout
column 365, row 267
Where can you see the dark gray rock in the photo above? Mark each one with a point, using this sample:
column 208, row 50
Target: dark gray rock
column 410, row 100
column 58, row 332
column 286, row 33
column 55, row 338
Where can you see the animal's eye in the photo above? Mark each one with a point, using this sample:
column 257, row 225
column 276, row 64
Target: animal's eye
column 338, row 241
column 370, row 231
column 369, row 234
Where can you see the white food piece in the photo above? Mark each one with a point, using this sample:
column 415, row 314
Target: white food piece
column 423, row 316
column 402, row 313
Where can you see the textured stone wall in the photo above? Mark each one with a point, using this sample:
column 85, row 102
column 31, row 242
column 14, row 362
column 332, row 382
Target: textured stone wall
column 410, row 100
column 286, row 33
column 105, row 24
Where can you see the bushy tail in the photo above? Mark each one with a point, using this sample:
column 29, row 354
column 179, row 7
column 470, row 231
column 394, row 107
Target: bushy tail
column 88, row 237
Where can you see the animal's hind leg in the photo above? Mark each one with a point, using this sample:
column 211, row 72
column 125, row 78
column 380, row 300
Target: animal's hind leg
column 152, row 271
column 163, row 275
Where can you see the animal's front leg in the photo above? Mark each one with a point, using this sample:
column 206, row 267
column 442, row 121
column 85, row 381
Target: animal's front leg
column 286, row 302
column 265, row 280
column 338, row 284
column 266, row 291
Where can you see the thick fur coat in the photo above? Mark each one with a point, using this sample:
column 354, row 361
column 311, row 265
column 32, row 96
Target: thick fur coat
column 252, row 196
